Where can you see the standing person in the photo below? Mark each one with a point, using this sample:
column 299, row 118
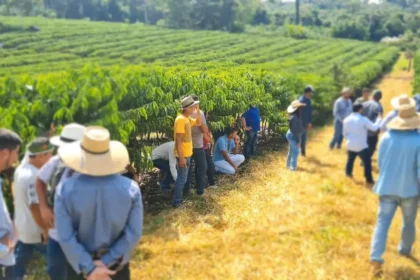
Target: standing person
column 183, row 144
column 251, row 123
column 49, row 176
column 199, row 155
column 342, row 109
column 163, row 157
column 31, row 229
column 207, row 144
column 294, row 134
column 355, row 130
column 365, row 96
column 398, row 182
column 372, row 109
column 97, row 234
column 224, row 161
column 306, row 116
column 10, row 144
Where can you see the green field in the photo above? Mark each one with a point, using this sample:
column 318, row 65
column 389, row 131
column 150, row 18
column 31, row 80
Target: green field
column 63, row 44
column 130, row 78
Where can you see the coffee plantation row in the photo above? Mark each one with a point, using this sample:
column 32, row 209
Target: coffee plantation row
column 66, row 44
column 416, row 85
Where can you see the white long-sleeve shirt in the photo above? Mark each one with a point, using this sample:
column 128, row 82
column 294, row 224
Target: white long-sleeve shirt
column 391, row 115
column 166, row 152
column 355, row 130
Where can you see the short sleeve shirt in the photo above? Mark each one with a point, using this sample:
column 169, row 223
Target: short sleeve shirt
column 183, row 126
column 25, row 196
column 197, row 134
column 223, row 144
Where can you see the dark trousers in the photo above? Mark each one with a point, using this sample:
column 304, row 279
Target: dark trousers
column 56, row 260
column 303, row 140
column 123, row 274
column 251, row 142
column 7, row 272
column 200, row 162
column 163, row 165
column 210, row 167
column 24, row 254
column 372, row 142
column 367, row 163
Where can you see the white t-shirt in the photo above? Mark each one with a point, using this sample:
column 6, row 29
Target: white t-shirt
column 25, row 195
column 45, row 174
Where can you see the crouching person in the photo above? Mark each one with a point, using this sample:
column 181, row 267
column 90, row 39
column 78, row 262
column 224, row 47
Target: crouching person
column 99, row 213
column 224, row 161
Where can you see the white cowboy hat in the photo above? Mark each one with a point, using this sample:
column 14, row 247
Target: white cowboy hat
column 294, row 106
column 395, row 102
column 188, row 102
column 407, row 118
column 71, row 132
column 96, row 154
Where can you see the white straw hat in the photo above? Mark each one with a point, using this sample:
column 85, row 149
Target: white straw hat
column 407, row 118
column 96, row 154
column 294, row 106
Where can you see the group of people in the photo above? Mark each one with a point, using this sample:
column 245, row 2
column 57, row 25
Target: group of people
column 81, row 209
column 360, row 123
column 193, row 142
column 64, row 204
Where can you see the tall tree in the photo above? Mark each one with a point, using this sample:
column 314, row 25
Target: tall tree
column 297, row 4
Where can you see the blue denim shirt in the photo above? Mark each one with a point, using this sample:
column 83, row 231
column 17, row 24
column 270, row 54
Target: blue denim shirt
column 306, row 112
column 252, row 118
column 94, row 213
column 399, row 164
column 222, row 144
column 342, row 108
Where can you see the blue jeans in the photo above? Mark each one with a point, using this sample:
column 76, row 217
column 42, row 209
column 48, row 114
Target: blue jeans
column 164, row 167
column 387, row 207
column 200, row 171
column 7, row 272
column 292, row 156
column 338, row 135
column 24, row 254
column 56, row 260
column 251, row 142
column 181, row 179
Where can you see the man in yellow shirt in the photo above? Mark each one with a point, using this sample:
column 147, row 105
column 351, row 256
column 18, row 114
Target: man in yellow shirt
column 183, row 144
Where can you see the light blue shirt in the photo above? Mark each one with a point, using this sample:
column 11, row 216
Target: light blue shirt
column 222, row 144
column 342, row 108
column 6, row 228
column 95, row 213
column 399, row 164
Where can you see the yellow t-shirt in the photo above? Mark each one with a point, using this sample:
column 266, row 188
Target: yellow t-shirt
column 183, row 126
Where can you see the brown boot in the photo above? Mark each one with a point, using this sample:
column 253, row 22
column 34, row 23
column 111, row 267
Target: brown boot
column 377, row 269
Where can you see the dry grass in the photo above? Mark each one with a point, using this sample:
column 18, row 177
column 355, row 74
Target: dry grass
column 274, row 224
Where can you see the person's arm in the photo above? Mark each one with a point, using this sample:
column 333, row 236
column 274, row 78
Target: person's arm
column 204, row 129
column 127, row 242
column 294, row 128
column 198, row 120
column 237, row 144
column 345, row 130
column 335, row 110
column 76, row 254
column 372, row 126
column 35, row 211
column 227, row 158
column 172, row 164
column 243, row 121
column 179, row 132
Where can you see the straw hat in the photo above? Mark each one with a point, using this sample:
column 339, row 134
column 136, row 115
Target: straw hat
column 188, row 102
column 96, row 154
column 71, row 132
column 408, row 118
column 294, row 106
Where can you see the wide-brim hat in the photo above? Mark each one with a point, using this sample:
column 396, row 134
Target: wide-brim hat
column 188, row 102
column 407, row 118
column 294, row 106
column 71, row 133
column 96, row 154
